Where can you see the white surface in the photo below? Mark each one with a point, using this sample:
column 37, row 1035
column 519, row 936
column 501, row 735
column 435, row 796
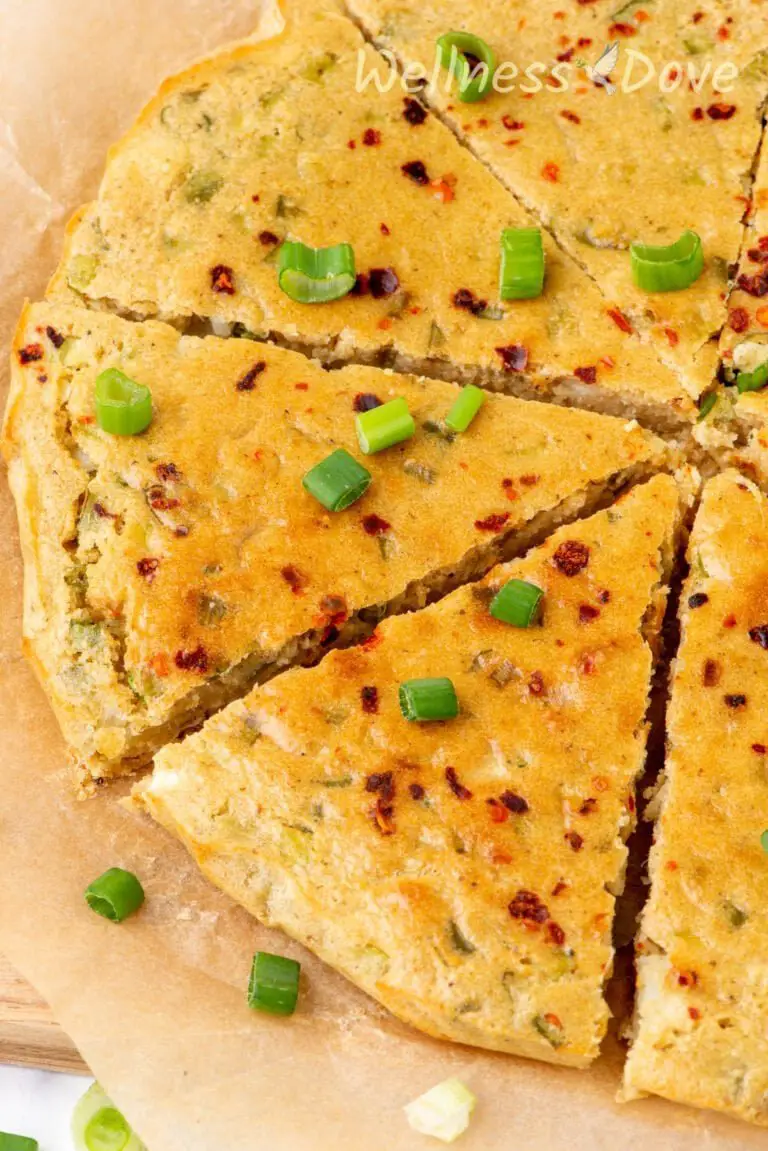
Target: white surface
column 39, row 1104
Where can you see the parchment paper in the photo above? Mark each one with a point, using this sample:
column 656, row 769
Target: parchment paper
column 157, row 1005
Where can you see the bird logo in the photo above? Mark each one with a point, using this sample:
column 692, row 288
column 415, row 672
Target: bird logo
column 600, row 72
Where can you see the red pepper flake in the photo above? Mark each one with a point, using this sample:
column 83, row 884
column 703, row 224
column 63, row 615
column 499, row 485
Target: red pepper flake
column 738, row 319
column 160, row 664
column 600, row 783
column 619, row 28
column 588, row 613
column 760, row 749
column 499, row 813
column 302, row 387
column 671, row 865
column 736, row 702
column 559, row 887
column 366, row 402
column 168, row 473
column 414, row 111
column 416, row 790
column 720, row 111
column 572, row 116
column 697, row 17
column 195, row 660
column 697, row 114
column 372, row 641
column 687, row 978
column 584, row 41
column 712, row 672
column 575, row 840
column 102, row 512
column 536, row 683
column 458, row 789
column 551, row 172
column 416, row 171
column 31, row 353
column 147, row 568
column 384, row 230
column 514, row 357
column 698, row 599
column 385, row 324
column 557, row 936
column 467, row 300
column 295, row 579
column 757, row 255
column 334, row 608
column 672, row 337
column 514, row 803
column 55, row 337
column 256, row 199
column 756, row 285
column 588, row 665
column 369, row 699
column 383, row 282
column 759, row 635
column 381, row 782
column 586, row 375
column 248, row 382
column 383, row 817
column 631, row 802
column 729, row 621
column 268, row 239
column 442, row 191
column 223, row 280
column 567, row 56
column 374, row 525
column 160, row 502
column 492, row 523
column 529, row 480
column 511, row 124
column 571, row 557
column 694, row 1013
column 371, row 137
column 588, row 806
column 527, row 906
column 620, row 320
column 351, row 144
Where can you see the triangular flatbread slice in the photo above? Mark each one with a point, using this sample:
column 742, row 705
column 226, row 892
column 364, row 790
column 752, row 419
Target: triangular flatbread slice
column 167, row 572
column 700, row 1034
column 600, row 170
column 268, row 141
column 460, row 872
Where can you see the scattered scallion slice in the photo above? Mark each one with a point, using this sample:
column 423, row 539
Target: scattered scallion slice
column 382, row 427
column 315, row 275
column 707, row 404
column 337, row 481
column 764, row 841
column 424, row 700
column 274, row 984
column 123, row 407
column 752, row 381
column 670, row 267
column 116, row 894
column 522, row 264
column 17, row 1142
column 518, row 603
column 97, row 1125
column 465, row 407
column 462, row 53
column 442, row 1112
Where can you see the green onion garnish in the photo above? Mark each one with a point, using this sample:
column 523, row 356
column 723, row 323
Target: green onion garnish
column 764, row 841
column 381, row 427
column 423, row 700
column 315, row 275
column 707, row 404
column 753, row 381
column 17, row 1142
column 518, row 603
column 670, row 267
column 462, row 54
column 337, row 481
column 442, row 1112
column 465, row 407
column 522, row 264
column 123, row 407
column 97, row 1125
column 116, row 894
column 274, row 984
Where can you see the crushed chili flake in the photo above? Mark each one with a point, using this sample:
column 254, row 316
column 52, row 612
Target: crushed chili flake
column 588, row 806
column 102, row 512
column 697, row 114
column 147, row 568
column 687, row 978
column 195, row 660
column 382, row 782
column 620, row 28
column 268, row 239
column 295, row 579
column 536, row 683
column 371, row 137
column 458, row 788
column 160, row 502
column 712, row 672
column 511, row 124
column 586, row 375
column 169, row 473
column 514, row 803
column 467, row 300
column 721, row 111
column 302, row 387
column 672, row 337
column 572, row 116
column 416, row 790
column 551, row 172
column 160, row 664
column 556, row 934
column 738, row 319
column 492, row 523
column 567, row 56
column 374, row 525
column 351, row 144
column 756, row 285
column 369, row 699
column 383, row 814
column 384, row 230
column 366, row 402
column 736, row 701
column 383, row 282
column 528, row 906
column 698, row 599
column 759, row 635
column 760, row 749
column 416, row 171
column 248, row 382
column 620, row 320
column 372, row 641
column 55, row 337
column 514, row 357
column 694, row 1013
column 31, row 353
column 499, row 813
column 575, row 840
column 414, row 111
column 588, row 613
column 223, row 280
column 335, row 608
column 560, row 887
column 571, row 557
column 442, row 191
column 729, row 621
column 360, row 287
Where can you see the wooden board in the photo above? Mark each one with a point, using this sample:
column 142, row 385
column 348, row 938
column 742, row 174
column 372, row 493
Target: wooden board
column 28, row 1034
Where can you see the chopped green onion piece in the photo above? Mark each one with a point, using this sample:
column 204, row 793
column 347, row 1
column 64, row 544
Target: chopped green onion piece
column 17, row 1142
column 123, row 407
column 274, row 984
column 670, row 267
column 522, row 264
column 518, row 603
column 337, row 481
column 97, row 1125
column 423, row 700
column 116, row 894
column 764, row 841
column 381, row 427
column 465, row 407
column 315, row 275
column 464, row 54
column 753, row 381
column 707, row 404
column 443, row 1111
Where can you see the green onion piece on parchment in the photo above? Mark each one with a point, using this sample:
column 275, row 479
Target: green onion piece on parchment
column 670, row 267
column 382, row 427
column 17, row 1142
column 116, row 894
column 123, row 407
column 97, row 1125
column 752, row 381
column 471, row 61
column 465, row 407
column 315, row 275
column 442, row 1112
column 337, row 481
column 518, row 603
column 424, row 700
column 274, row 984
column 522, row 264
